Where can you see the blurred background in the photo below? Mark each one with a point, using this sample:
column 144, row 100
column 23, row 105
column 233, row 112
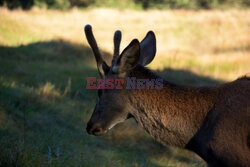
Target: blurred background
column 45, row 59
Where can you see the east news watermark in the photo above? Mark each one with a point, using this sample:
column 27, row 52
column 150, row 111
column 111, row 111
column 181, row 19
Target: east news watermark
column 131, row 83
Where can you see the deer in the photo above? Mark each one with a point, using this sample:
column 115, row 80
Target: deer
column 211, row 121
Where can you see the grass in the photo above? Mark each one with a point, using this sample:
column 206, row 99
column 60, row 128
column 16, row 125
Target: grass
column 44, row 59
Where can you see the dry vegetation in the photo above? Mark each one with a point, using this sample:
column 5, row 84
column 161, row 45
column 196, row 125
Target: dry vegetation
column 212, row 43
column 44, row 59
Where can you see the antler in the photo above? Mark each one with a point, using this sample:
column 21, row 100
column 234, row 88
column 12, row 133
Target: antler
column 101, row 64
column 117, row 41
column 92, row 42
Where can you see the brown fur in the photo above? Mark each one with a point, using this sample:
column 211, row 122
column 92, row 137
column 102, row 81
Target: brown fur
column 214, row 122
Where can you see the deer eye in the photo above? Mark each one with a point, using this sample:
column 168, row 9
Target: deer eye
column 99, row 91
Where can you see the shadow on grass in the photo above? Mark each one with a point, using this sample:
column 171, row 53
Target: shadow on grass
column 44, row 107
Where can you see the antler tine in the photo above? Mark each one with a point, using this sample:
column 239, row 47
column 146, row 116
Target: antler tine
column 92, row 42
column 117, row 41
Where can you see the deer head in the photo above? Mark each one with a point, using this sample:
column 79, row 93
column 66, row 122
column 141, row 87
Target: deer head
column 112, row 105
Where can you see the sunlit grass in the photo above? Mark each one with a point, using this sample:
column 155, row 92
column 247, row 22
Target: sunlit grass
column 211, row 42
column 45, row 58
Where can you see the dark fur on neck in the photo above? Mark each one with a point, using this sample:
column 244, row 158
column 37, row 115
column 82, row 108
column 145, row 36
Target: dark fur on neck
column 156, row 110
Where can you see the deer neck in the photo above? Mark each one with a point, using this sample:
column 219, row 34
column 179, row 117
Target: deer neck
column 173, row 114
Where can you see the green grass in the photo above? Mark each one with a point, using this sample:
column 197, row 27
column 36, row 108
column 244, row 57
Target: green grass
column 10, row 32
column 45, row 107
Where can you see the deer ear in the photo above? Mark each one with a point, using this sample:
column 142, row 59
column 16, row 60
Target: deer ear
column 147, row 49
column 128, row 59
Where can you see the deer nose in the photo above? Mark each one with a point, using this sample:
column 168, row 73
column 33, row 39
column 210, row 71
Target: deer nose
column 95, row 130
column 88, row 129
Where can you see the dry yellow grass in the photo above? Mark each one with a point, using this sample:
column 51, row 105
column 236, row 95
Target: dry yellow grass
column 214, row 43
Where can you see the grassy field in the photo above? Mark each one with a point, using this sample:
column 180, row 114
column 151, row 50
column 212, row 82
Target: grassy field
column 44, row 60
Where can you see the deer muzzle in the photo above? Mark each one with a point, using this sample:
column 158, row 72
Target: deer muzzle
column 95, row 130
